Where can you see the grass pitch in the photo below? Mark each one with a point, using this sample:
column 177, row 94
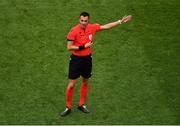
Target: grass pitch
column 136, row 66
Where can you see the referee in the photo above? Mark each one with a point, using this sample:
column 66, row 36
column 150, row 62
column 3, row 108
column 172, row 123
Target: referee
column 80, row 40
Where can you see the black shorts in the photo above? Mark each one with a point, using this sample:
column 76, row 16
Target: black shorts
column 80, row 65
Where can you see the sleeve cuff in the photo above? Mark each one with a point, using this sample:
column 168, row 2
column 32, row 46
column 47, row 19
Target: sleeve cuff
column 70, row 40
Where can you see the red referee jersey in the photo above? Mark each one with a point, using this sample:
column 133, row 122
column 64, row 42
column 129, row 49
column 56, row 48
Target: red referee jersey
column 81, row 36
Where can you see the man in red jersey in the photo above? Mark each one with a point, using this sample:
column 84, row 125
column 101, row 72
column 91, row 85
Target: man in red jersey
column 80, row 44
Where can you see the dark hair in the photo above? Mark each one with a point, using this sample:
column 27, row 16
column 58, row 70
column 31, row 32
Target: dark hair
column 85, row 14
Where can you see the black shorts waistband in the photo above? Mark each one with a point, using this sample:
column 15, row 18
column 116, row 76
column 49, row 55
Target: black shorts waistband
column 72, row 55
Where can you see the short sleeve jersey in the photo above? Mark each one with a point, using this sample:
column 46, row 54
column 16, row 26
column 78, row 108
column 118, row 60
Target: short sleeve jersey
column 81, row 36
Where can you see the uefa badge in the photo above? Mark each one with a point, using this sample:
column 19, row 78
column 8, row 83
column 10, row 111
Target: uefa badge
column 90, row 37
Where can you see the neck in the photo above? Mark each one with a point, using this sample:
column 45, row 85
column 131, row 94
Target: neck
column 83, row 27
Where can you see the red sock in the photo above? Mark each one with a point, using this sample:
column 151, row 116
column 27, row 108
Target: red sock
column 69, row 94
column 83, row 93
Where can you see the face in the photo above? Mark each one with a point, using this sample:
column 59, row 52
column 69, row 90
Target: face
column 83, row 21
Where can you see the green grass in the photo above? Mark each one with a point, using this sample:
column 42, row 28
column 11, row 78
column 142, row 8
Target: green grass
column 136, row 66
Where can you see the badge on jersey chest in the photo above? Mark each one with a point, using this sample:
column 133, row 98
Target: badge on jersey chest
column 90, row 37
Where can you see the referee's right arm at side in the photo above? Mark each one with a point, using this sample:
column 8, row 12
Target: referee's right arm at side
column 71, row 47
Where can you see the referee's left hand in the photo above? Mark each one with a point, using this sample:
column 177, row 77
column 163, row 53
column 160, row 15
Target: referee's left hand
column 126, row 19
column 87, row 45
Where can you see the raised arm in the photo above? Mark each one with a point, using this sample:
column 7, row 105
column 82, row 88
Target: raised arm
column 116, row 23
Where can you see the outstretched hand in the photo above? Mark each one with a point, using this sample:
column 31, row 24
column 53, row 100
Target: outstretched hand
column 126, row 19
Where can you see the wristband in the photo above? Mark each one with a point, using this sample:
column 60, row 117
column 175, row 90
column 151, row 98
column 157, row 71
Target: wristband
column 119, row 21
column 81, row 47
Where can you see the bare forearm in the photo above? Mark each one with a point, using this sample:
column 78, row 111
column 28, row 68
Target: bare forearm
column 72, row 47
column 111, row 25
column 116, row 23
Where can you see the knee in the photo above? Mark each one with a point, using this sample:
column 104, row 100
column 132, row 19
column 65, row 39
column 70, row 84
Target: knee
column 85, row 81
column 71, row 85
